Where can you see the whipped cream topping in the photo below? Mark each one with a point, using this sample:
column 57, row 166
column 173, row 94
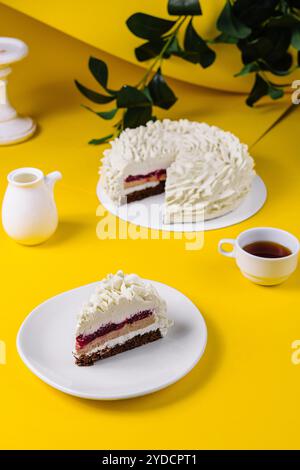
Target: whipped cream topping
column 208, row 170
column 208, row 178
column 117, row 297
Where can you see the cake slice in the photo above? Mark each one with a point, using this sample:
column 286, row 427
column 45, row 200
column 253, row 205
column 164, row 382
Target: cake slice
column 124, row 312
column 135, row 166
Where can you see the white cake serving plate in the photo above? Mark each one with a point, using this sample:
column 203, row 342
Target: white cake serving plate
column 46, row 339
column 149, row 212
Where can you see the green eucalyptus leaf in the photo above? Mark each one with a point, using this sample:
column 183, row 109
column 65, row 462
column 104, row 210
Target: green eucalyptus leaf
column 270, row 49
column 99, row 71
column 260, row 89
column 147, row 26
column 107, row 115
column 225, row 38
column 102, row 140
column 135, row 117
column 283, row 21
column 279, row 85
column 278, row 60
column 93, row 95
column 295, row 41
column 147, row 93
column 263, row 88
column 255, row 49
column 248, row 68
column 173, row 47
column 281, row 40
column 253, row 13
column 281, row 67
column 195, row 48
column 149, row 49
column 229, row 24
column 131, row 97
column 275, row 93
column 184, row 7
column 161, row 94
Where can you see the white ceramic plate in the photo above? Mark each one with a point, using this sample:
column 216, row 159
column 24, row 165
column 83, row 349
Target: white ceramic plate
column 149, row 211
column 46, row 338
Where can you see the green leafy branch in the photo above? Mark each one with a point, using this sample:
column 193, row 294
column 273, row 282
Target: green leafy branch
column 264, row 31
column 133, row 105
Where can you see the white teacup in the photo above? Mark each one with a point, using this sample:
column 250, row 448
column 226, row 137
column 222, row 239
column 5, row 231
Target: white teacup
column 260, row 270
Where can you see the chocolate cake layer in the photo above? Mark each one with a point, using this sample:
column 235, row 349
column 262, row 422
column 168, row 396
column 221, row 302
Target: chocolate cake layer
column 143, row 193
column 138, row 340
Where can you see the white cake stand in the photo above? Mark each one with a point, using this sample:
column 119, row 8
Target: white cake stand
column 13, row 128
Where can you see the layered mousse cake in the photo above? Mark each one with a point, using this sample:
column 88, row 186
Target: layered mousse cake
column 137, row 187
column 202, row 169
column 123, row 313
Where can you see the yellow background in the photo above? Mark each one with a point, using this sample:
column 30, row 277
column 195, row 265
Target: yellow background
column 101, row 23
column 244, row 393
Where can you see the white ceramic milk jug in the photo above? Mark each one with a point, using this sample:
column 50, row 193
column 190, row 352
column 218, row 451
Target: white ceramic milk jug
column 29, row 213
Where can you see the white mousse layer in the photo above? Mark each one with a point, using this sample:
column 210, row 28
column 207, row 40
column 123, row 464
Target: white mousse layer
column 140, row 187
column 118, row 297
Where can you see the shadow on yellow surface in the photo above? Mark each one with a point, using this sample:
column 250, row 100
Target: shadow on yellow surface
column 245, row 391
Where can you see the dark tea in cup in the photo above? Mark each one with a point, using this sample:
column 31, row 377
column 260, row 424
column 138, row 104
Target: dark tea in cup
column 267, row 249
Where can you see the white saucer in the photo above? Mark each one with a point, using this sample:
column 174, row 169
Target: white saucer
column 149, row 212
column 46, row 339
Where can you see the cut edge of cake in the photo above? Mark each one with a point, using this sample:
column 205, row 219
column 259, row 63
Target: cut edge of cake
column 123, row 313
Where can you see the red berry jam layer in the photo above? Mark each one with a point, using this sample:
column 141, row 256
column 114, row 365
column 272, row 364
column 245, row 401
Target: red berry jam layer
column 83, row 340
column 156, row 174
